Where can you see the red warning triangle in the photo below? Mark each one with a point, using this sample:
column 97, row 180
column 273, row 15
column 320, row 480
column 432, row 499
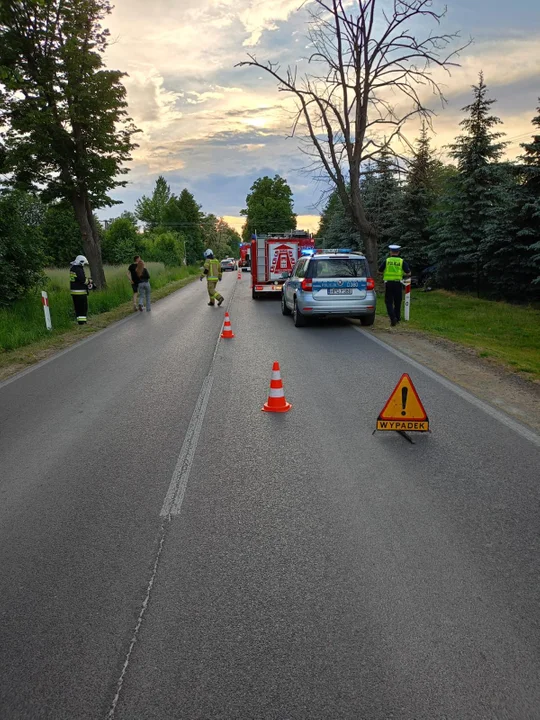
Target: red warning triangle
column 404, row 403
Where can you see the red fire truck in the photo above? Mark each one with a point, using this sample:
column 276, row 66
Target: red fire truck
column 245, row 257
column 274, row 255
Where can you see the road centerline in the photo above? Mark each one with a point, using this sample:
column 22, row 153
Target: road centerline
column 172, row 504
column 175, row 494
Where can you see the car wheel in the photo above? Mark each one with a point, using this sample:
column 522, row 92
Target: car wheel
column 299, row 319
column 367, row 319
column 284, row 307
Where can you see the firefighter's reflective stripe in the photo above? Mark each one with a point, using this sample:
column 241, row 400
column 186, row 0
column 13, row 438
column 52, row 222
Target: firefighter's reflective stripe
column 81, row 318
column 79, row 292
column 213, row 267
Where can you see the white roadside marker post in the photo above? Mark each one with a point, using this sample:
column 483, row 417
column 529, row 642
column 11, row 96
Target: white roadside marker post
column 407, row 283
column 46, row 310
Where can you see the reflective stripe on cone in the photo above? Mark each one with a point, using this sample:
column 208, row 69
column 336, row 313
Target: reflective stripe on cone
column 276, row 399
column 227, row 328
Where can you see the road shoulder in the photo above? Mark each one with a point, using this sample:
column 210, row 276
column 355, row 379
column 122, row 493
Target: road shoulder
column 15, row 361
column 489, row 381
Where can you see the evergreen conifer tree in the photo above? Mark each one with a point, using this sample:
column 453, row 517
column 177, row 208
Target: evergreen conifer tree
column 416, row 204
column 462, row 228
column 529, row 231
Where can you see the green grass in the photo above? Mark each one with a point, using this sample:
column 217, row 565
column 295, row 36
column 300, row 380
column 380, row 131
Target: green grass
column 509, row 334
column 24, row 323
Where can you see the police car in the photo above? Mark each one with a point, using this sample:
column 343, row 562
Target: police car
column 330, row 283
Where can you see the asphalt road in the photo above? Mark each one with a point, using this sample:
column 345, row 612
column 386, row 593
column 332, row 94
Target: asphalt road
column 167, row 550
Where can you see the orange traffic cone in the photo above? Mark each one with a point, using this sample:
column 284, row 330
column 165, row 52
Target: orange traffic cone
column 276, row 400
column 227, row 328
column 239, row 274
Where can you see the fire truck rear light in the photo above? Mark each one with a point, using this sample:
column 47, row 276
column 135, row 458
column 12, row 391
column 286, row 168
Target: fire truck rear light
column 370, row 284
column 307, row 284
column 259, row 287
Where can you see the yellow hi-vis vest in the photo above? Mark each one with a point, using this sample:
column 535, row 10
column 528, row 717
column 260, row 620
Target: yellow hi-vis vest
column 214, row 269
column 393, row 270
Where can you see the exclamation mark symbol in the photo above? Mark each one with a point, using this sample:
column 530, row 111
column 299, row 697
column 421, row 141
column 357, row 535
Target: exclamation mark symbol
column 404, row 393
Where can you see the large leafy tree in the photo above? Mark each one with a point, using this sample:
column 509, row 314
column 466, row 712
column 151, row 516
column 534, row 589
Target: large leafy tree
column 61, row 233
column 68, row 134
column 462, row 231
column 232, row 238
column 220, row 237
column 152, row 210
column 183, row 214
column 269, row 207
column 121, row 240
column 163, row 246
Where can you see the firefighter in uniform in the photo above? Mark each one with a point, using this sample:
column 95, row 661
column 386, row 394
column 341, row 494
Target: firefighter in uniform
column 79, row 287
column 212, row 270
column 394, row 269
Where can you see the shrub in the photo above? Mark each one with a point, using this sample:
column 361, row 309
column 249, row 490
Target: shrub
column 21, row 247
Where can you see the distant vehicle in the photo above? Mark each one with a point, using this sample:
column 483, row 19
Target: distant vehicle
column 337, row 284
column 427, row 278
column 245, row 257
column 228, row 264
column 276, row 254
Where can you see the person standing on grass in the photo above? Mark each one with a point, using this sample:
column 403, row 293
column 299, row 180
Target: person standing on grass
column 132, row 275
column 143, row 285
column 394, row 269
column 79, row 287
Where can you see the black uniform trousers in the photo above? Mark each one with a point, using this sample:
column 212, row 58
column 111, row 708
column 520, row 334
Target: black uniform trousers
column 393, row 295
column 80, row 303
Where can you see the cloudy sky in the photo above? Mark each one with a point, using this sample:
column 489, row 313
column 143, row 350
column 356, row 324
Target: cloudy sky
column 214, row 128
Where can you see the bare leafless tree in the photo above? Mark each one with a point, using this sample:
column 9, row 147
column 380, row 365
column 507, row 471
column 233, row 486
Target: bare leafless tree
column 369, row 74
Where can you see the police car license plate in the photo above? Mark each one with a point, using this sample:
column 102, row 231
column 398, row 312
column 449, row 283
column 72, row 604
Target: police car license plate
column 340, row 291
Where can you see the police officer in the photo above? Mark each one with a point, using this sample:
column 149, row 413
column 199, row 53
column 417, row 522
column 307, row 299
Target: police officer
column 394, row 269
column 212, row 270
column 79, row 287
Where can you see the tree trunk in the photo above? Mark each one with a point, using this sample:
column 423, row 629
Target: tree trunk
column 366, row 229
column 100, row 273
column 90, row 239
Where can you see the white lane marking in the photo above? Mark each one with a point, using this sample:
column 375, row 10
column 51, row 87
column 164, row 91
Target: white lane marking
column 177, row 487
column 163, row 532
column 173, row 501
column 172, row 504
column 529, row 435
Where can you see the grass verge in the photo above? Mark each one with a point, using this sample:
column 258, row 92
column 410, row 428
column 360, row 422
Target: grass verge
column 24, row 339
column 504, row 333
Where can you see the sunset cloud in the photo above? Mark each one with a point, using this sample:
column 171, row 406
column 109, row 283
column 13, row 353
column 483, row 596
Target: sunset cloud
column 215, row 128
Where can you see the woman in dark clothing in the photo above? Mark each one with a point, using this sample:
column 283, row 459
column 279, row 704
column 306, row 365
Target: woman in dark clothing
column 144, row 285
column 132, row 275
